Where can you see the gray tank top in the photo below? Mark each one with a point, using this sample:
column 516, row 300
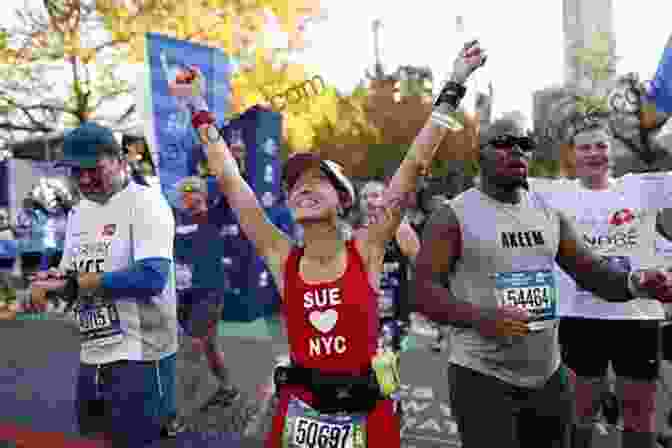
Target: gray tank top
column 508, row 257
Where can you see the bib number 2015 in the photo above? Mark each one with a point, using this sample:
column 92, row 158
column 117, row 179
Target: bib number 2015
column 312, row 434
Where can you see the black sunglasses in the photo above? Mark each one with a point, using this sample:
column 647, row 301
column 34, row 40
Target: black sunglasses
column 510, row 141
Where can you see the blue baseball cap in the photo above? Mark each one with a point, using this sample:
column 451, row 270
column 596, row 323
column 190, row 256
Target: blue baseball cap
column 84, row 145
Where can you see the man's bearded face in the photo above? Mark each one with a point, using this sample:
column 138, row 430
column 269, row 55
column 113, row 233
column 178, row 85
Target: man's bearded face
column 99, row 183
column 506, row 167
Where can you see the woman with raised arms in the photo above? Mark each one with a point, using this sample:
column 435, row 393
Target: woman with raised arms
column 337, row 389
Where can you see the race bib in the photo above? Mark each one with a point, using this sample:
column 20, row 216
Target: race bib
column 532, row 291
column 99, row 324
column 307, row 428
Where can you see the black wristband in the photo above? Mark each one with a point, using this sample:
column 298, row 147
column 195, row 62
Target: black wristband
column 451, row 94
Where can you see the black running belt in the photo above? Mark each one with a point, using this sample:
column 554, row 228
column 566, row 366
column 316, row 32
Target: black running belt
column 333, row 393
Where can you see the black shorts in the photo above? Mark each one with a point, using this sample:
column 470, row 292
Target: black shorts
column 632, row 346
column 490, row 412
column 129, row 400
column 667, row 342
column 199, row 311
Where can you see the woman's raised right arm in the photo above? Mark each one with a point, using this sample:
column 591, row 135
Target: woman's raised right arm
column 271, row 243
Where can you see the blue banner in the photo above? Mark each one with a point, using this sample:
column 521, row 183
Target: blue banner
column 216, row 254
column 213, row 256
column 262, row 130
column 177, row 145
column 660, row 88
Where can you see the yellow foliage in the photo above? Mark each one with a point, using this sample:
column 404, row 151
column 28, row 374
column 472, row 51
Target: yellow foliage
column 227, row 24
column 237, row 27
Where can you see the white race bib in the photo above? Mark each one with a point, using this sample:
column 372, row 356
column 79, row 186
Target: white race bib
column 532, row 291
column 307, row 428
column 99, row 324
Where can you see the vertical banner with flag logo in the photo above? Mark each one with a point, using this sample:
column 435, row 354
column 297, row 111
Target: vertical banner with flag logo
column 660, row 88
column 168, row 105
column 262, row 131
column 213, row 255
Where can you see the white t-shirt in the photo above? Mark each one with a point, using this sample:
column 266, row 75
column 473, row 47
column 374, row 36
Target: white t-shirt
column 619, row 223
column 135, row 224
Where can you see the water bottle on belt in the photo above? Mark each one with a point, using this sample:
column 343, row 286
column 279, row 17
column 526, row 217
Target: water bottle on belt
column 385, row 364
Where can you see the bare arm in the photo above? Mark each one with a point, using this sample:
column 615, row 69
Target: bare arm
column 417, row 161
column 441, row 248
column 587, row 269
column 419, row 157
column 408, row 241
column 271, row 242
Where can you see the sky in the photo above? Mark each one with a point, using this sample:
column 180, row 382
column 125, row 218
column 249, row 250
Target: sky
column 524, row 40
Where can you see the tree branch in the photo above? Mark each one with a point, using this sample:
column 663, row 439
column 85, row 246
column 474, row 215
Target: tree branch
column 111, row 96
column 127, row 114
column 15, row 127
column 111, row 44
column 48, row 107
column 25, row 111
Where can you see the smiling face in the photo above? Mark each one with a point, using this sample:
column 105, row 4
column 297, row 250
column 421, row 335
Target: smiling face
column 593, row 153
column 313, row 197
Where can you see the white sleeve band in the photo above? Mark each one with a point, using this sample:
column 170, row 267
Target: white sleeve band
column 442, row 120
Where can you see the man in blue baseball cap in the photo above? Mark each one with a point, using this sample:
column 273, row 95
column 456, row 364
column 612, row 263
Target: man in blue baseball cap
column 97, row 161
column 116, row 271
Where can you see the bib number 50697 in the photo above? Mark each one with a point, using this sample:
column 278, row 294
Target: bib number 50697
column 312, row 434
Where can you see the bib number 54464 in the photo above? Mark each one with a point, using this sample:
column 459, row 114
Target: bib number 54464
column 311, row 434
column 536, row 297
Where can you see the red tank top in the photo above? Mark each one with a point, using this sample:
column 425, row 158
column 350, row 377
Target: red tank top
column 331, row 326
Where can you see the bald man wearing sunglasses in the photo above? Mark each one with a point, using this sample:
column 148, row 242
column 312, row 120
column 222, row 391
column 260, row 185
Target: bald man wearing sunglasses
column 497, row 245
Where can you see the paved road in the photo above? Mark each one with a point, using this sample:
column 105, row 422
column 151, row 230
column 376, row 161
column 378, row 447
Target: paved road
column 38, row 362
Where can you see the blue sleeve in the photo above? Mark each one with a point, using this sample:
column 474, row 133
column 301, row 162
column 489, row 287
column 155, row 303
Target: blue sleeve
column 144, row 280
column 282, row 217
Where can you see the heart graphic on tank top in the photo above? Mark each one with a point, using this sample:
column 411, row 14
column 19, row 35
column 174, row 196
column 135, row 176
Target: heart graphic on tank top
column 324, row 322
